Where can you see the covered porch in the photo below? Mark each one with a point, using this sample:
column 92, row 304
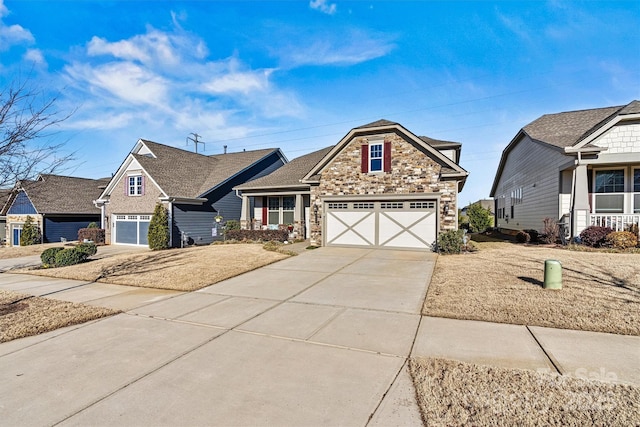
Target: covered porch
column 606, row 195
column 264, row 210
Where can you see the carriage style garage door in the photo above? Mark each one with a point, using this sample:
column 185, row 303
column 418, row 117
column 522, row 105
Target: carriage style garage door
column 405, row 224
column 131, row 229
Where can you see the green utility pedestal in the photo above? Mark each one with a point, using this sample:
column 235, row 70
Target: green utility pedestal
column 552, row 274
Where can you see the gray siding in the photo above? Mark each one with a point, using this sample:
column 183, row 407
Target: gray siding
column 535, row 168
column 195, row 221
column 67, row 227
column 3, row 229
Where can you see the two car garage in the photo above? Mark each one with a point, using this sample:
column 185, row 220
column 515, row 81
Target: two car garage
column 392, row 224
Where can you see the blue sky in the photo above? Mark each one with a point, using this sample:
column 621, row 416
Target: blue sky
column 300, row 74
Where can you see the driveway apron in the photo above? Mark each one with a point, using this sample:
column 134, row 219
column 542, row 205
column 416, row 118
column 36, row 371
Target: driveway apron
column 317, row 339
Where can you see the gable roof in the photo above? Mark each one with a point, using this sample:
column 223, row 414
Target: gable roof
column 55, row 194
column 5, row 195
column 568, row 130
column 288, row 175
column 449, row 167
column 185, row 174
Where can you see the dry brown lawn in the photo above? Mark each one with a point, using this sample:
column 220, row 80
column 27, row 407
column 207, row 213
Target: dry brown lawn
column 7, row 252
column 23, row 315
column 502, row 282
column 174, row 269
column 452, row 393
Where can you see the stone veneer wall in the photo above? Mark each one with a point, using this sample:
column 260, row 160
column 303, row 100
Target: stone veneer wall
column 20, row 219
column 119, row 203
column 412, row 172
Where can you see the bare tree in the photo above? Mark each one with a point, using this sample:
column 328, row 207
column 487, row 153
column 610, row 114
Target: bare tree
column 28, row 119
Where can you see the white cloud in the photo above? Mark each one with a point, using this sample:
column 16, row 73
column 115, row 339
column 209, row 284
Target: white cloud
column 11, row 35
column 243, row 82
column 323, row 6
column 35, row 56
column 104, row 121
column 349, row 48
column 124, row 80
column 515, row 25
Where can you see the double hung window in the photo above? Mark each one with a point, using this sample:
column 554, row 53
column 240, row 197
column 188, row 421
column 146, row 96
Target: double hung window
column 609, row 191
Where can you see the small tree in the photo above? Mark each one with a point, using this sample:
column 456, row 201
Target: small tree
column 158, row 234
column 30, row 234
column 479, row 218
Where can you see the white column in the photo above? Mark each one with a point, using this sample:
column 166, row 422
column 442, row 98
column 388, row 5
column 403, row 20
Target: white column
column 245, row 213
column 580, row 212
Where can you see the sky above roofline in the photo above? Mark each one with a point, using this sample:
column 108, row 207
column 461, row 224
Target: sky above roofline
column 300, row 75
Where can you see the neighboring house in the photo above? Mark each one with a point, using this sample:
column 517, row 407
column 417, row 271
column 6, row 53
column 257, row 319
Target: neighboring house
column 4, row 198
column 379, row 186
column 194, row 188
column 579, row 167
column 59, row 205
column 485, row 203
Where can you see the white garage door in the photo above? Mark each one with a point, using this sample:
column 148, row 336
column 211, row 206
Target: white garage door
column 394, row 224
column 131, row 229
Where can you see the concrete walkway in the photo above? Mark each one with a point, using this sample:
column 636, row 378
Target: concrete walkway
column 318, row 339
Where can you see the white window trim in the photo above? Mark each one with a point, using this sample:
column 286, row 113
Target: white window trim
column 371, row 145
column 137, row 187
column 633, row 192
column 280, row 209
column 626, row 203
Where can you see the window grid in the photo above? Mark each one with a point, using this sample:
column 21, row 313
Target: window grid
column 135, row 185
column 375, row 157
column 609, row 181
column 337, row 205
column 422, row 205
column 392, row 205
column 363, row 206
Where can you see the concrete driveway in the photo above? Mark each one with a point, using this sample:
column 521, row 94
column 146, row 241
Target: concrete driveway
column 317, row 339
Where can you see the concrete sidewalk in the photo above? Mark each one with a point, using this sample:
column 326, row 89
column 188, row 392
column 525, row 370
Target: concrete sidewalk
column 589, row 355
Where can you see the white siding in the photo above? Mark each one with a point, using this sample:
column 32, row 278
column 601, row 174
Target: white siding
column 535, row 168
column 623, row 138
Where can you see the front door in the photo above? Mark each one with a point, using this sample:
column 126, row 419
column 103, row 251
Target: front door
column 17, row 231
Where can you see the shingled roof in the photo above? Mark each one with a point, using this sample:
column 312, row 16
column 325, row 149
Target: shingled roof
column 4, row 198
column 181, row 173
column 55, row 194
column 569, row 128
column 290, row 174
column 377, row 123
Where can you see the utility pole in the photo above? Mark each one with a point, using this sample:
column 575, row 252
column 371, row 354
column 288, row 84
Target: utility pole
column 195, row 140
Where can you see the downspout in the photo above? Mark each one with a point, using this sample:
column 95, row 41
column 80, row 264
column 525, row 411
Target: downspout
column 170, row 220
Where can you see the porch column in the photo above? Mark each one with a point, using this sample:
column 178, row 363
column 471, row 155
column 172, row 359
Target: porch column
column 580, row 213
column 298, row 216
column 245, row 213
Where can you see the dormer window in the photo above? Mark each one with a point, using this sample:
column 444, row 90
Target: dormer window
column 135, row 185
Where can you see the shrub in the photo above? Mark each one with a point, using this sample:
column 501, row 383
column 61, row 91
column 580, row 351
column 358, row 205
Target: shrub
column 451, row 242
column 479, row 218
column 258, row 235
column 30, row 234
column 621, row 239
column 95, row 235
column 550, row 230
column 232, row 224
column 92, row 225
column 534, row 235
column 69, row 256
column 89, row 249
column 595, row 236
column 523, row 237
column 48, row 256
column 158, row 234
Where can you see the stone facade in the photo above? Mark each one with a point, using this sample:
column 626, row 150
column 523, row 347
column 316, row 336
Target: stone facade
column 120, row 203
column 20, row 220
column 412, row 172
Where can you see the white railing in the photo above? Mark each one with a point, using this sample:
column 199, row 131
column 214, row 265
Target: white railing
column 617, row 222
